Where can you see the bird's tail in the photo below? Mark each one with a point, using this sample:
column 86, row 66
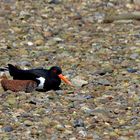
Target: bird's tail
column 4, row 69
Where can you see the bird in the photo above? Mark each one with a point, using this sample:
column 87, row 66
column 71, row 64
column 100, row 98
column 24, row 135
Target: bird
column 18, row 85
column 46, row 79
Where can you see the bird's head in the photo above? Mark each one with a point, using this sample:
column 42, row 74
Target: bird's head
column 58, row 71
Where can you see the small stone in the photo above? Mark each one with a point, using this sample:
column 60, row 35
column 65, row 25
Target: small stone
column 54, row 1
column 11, row 100
column 57, row 39
column 137, row 4
column 104, row 71
column 60, row 127
column 39, row 42
column 131, row 70
column 17, row 30
column 7, row 128
column 134, row 56
column 68, row 132
column 129, row 5
column 123, row 21
column 88, row 96
column 103, row 82
column 25, row 63
column 83, row 133
column 96, row 136
column 123, row 138
column 78, row 123
column 28, row 123
column 125, row 64
column 30, row 43
column 100, row 110
column 46, row 121
column 134, row 120
column 23, row 51
column 24, row 15
column 103, row 99
column 99, row 16
column 86, row 110
column 77, row 81
column 47, row 34
column 137, row 134
column 73, row 138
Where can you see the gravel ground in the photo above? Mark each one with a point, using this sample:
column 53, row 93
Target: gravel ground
column 103, row 60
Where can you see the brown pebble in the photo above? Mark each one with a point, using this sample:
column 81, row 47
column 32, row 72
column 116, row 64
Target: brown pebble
column 47, row 34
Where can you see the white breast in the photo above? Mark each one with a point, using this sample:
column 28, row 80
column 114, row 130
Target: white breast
column 2, row 73
column 41, row 84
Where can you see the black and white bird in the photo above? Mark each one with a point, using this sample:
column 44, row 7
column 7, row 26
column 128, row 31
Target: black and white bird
column 45, row 79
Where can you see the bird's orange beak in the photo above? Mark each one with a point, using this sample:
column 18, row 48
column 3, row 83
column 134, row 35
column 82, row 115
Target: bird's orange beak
column 65, row 79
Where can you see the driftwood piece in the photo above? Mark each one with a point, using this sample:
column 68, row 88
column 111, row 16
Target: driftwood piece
column 127, row 16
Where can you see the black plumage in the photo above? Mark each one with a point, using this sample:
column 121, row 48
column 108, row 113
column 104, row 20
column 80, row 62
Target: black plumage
column 51, row 77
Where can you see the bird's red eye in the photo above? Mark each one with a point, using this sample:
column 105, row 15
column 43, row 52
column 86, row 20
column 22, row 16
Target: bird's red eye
column 54, row 71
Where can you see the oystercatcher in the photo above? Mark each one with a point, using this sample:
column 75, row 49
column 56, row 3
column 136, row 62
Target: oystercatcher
column 45, row 79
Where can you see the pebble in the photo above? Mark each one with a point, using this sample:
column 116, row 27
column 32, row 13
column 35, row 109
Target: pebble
column 7, row 128
column 46, row 121
column 134, row 120
column 134, row 56
column 131, row 70
column 103, row 82
column 83, row 133
column 96, row 136
column 137, row 134
column 30, row 43
column 87, row 110
column 39, row 42
column 103, row 72
column 78, row 123
column 54, row 1
column 77, row 81
column 11, row 99
column 57, row 39
column 123, row 138
column 88, row 96
column 28, row 123
column 48, row 34
column 24, row 63
column 100, row 110
column 60, row 127
column 73, row 138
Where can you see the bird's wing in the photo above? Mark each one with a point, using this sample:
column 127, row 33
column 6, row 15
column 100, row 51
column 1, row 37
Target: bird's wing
column 31, row 74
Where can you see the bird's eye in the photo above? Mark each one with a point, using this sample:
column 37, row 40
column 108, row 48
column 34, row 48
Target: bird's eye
column 54, row 71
